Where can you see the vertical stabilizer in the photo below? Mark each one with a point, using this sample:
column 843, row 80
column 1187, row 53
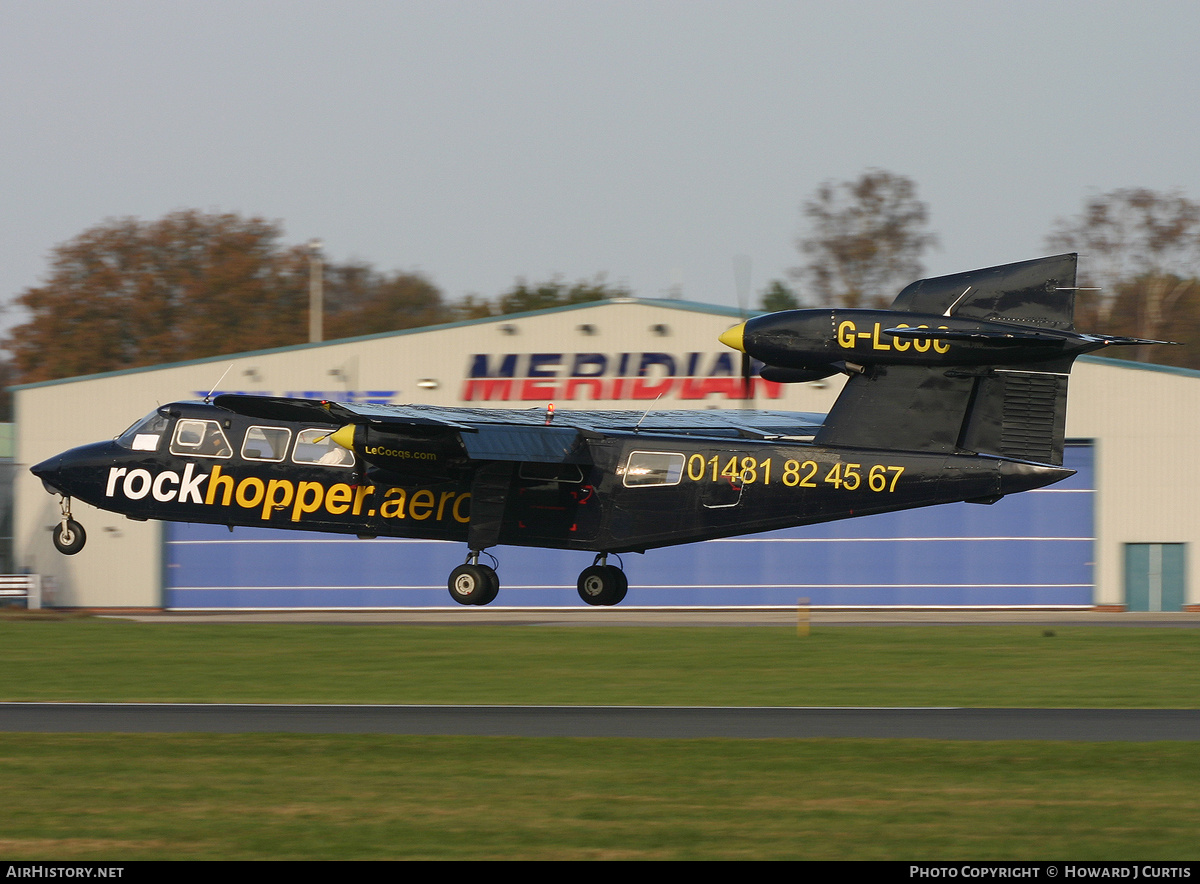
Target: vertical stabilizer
column 1005, row 409
column 1038, row 293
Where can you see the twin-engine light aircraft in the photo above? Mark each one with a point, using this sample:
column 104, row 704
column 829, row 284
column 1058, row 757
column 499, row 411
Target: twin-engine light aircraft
column 956, row 393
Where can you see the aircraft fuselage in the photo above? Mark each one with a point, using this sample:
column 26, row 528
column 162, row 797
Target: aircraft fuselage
column 630, row 492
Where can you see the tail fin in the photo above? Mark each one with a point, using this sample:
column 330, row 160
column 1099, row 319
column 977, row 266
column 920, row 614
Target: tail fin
column 1015, row 411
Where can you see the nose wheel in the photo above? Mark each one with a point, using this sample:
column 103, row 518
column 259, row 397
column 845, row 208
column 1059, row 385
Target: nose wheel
column 472, row 583
column 602, row 583
column 69, row 536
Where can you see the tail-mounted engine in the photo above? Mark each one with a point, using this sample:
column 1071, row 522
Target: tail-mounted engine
column 1012, row 315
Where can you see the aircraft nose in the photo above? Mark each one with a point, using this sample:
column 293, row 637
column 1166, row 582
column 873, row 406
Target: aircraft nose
column 49, row 471
column 75, row 473
column 47, row 468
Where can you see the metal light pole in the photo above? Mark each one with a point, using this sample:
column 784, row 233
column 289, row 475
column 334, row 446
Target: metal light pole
column 316, row 293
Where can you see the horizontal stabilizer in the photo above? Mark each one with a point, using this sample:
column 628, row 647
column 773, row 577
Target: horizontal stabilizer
column 1119, row 340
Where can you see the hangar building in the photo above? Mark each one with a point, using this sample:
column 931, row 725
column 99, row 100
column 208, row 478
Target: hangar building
column 1117, row 534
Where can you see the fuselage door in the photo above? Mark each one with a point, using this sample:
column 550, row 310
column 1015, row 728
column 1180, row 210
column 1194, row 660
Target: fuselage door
column 723, row 481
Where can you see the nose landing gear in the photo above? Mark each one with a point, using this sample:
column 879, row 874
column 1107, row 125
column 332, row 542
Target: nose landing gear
column 69, row 536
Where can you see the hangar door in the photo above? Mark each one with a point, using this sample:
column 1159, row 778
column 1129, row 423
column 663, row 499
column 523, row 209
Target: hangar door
column 1155, row 576
column 1031, row 549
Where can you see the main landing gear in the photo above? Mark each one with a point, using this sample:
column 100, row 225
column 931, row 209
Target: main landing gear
column 599, row 584
column 602, row 583
column 472, row 583
column 69, row 536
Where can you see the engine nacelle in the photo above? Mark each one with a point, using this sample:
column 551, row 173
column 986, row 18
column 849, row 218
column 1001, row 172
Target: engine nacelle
column 810, row 344
column 419, row 453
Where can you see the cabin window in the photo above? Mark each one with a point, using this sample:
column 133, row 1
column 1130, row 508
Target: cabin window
column 266, row 443
column 146, row 434
column 200, row 439
column 315, row 446
column 653, row 468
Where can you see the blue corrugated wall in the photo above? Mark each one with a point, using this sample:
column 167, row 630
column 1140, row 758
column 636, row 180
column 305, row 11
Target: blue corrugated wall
column 1029, row 549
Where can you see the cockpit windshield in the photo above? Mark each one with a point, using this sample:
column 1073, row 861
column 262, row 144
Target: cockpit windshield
column 146, row 434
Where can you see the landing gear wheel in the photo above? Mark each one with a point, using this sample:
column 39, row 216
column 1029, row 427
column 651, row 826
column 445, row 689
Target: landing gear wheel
column 493, row 585
column 69, row 537
column 602, row 585
column 473, row 584
column 622, row 585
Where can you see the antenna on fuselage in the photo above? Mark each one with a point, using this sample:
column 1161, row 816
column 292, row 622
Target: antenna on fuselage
column 208, row 398
column 950, row 309
column 638, row 427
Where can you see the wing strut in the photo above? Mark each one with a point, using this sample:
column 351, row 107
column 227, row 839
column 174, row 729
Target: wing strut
column 489, row 494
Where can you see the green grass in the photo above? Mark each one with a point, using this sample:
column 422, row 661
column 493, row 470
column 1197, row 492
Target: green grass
column 945, row 666
column 209, row 796
column 376, row 797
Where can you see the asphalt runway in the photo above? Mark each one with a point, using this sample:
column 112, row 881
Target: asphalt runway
column 1137, row 725
column 635, row 616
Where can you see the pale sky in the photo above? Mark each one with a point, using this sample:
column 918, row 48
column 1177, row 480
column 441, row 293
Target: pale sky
column 651, row 142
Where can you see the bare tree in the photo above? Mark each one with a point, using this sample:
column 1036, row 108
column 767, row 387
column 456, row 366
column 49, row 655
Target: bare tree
column 866, row 241
column 1143, row 250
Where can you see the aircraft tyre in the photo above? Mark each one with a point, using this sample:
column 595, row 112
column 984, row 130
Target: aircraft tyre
column 69, row 537
column 622, row 584
column 602, row 585
column 473, row 584
column 493, row 585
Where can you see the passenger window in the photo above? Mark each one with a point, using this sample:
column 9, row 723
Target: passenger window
column 653, row 468
column 315, row 446
column 266, row 443
column 200, row 438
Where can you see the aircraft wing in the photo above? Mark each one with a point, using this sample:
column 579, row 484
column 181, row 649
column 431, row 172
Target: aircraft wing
column 530, row 434
column 733, row 424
